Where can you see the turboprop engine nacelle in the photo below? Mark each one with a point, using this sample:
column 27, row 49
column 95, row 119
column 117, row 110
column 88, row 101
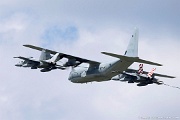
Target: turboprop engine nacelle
column 71, row 62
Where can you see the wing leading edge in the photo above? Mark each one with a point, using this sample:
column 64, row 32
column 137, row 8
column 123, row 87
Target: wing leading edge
column 63, row 55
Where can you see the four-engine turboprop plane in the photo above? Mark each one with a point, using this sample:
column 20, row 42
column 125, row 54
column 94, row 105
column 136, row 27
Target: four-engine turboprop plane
column 97, row 71
column 141, row 77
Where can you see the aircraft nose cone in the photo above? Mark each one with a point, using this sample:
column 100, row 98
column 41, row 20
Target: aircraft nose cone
column 18, row 65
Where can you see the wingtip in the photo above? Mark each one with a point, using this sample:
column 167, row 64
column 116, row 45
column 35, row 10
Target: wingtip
column 104, row 53
column 17, row 57
column 160, row 64
column 26, row 45
column 157, row 64
column 171, row 77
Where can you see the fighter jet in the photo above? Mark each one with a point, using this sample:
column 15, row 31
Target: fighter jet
column 46, row 62
column 24, row 63
column 97, row 71
column 141, row 77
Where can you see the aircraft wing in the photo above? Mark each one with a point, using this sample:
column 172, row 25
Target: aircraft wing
column 161, row 75
column 63, row 55
column 154, row 74
column 27, row 59
column 131, row 59
column 129, row 74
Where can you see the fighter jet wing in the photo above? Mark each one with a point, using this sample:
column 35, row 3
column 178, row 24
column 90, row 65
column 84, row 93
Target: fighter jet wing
column 28, row 59
column 161, row 75
column 154, row 74
column 63, row 55
column 129, row 74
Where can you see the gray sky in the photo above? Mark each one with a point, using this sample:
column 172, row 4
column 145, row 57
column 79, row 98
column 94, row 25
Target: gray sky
column 85, row 28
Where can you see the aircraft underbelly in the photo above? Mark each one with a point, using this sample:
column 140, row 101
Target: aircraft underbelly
column 90, row 78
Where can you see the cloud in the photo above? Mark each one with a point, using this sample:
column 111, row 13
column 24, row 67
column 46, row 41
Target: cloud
column 56, row 34
column 35, row 95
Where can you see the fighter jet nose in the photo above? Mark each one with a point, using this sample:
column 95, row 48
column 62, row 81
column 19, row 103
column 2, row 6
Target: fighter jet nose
column 17, row 65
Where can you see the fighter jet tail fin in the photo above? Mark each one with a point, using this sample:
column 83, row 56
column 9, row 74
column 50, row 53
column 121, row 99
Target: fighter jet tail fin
column 54, row 59
column 140, row 71
column 151, row 72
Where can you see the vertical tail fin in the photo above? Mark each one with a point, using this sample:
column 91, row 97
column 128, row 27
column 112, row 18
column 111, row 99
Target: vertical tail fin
column 131, row 54
column 140, row 71
column 151, row 72
column 132, row 49
column 44, row 55
column 55, row 58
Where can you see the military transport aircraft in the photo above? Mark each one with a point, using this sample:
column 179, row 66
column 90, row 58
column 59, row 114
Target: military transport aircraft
column 141, row 77
column 97, row 71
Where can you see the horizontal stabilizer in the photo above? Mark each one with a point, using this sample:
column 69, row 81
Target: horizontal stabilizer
column 131, row 59
column 147, row 62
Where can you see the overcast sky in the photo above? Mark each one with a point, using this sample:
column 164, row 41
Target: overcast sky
column 85, row 28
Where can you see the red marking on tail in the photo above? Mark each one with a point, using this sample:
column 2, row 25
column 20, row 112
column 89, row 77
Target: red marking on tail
column 151, row 72
column 140, row 71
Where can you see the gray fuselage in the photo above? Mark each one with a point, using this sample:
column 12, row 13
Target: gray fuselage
column 101, row 72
